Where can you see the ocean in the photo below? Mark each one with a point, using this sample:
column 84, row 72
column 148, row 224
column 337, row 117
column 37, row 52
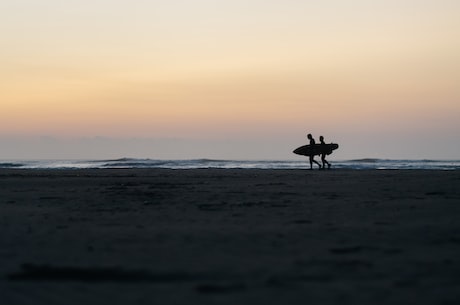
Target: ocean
column 359, row 164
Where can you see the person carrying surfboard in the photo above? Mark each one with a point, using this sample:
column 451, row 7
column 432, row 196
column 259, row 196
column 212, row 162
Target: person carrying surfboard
column 312, row 156
column 323, row 153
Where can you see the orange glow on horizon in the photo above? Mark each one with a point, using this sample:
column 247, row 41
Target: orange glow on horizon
column 234, row 69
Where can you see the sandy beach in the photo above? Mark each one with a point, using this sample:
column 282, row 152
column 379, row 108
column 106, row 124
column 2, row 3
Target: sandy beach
column 216, row 236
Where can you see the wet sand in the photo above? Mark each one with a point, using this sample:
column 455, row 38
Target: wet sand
column 216, row 236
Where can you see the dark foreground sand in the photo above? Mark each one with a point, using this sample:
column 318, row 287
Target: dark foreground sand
column 229, row 237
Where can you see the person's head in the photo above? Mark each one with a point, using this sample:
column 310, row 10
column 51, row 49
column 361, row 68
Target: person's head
column 309, row 136
column 321, row 138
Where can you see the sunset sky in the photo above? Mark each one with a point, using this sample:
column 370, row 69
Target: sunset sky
column 239, row 79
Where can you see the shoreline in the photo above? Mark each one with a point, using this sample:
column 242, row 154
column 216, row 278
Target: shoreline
column 229, row 236
column 132, row 163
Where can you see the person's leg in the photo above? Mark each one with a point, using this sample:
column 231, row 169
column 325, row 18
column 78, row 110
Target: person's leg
column 323, row 159
column 319, row 165
column 312, row 160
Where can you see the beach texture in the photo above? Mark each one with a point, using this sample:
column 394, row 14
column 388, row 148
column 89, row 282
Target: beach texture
column 215, row 236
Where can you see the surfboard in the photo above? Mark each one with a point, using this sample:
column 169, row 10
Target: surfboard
column 317, row 149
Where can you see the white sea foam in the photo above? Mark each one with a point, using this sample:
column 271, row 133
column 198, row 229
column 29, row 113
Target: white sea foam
column 359, row 164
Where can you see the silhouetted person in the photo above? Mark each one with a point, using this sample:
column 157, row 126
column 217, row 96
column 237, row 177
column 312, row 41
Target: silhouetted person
column 323, row 153
column 312, row 156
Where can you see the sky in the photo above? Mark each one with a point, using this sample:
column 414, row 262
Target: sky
column 240, row 79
